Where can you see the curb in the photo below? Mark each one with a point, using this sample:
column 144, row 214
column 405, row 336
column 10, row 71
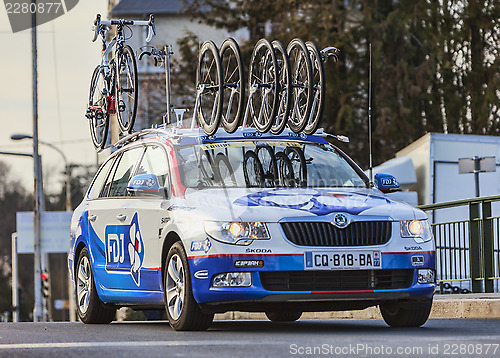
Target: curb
column 444, row 307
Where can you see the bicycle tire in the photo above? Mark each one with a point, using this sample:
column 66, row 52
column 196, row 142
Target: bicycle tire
column 285, row 173
column 319, row 88
column 220, row 161
column 207, row 174
column 233, row 76
column 296, row 156
column 258, row 172
column 126, row 75
column 284, row 90
column 302, row 83
column 262, row 73
column 209, row 88
column 98, row 106
column 269, row 167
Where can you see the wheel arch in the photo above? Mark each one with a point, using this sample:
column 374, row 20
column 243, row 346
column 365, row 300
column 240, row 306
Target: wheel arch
column 79, row 247
column 171, row 238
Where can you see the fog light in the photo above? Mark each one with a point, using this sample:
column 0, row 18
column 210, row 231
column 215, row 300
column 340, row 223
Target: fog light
column 232, row 279
column 425, row 276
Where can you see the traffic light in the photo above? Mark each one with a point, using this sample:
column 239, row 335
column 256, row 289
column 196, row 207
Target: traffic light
column 45, row 284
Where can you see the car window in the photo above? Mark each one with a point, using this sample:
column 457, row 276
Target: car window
column 155, row 162
column 124, row 172
column 98, row 182
column 266, row 164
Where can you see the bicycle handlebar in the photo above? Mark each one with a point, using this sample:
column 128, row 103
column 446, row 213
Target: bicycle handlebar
column 95, row 27
column 150, row 23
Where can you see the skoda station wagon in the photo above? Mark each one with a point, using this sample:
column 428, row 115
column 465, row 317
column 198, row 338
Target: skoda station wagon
column 280, row 224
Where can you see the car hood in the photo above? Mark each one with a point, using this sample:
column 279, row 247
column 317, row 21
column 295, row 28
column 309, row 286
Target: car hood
column 275, row 204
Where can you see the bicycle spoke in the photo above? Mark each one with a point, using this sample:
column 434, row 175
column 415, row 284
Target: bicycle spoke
column 207, row 73
column 227, row 70
column 234, row 71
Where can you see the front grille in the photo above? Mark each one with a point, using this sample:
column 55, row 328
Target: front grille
column 336, row 280
column 358, row 233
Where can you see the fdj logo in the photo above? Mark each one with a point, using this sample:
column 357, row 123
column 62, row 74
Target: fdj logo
column 203, row 245
column 125, row 249
column 21, row 12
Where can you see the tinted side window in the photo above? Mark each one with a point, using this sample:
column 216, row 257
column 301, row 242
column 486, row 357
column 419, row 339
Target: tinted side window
column 96, row 186
column 123, row 171
column 155, row 162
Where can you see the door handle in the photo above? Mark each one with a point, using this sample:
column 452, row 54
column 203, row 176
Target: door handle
column 92, row 218
column 121, row 217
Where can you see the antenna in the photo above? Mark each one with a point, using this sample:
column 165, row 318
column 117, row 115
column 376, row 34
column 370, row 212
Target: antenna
column 370, row 115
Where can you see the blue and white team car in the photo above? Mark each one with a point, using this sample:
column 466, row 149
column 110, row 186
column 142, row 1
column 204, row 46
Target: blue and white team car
column 279, row 224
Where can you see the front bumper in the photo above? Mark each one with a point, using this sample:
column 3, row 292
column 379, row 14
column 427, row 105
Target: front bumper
column 211, row 265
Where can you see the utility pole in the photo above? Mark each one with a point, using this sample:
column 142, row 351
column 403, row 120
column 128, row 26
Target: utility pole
column 38, row 311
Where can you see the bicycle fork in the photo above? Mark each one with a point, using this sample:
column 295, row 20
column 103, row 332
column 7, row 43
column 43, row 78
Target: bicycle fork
column 253, row 90
column 199, row 92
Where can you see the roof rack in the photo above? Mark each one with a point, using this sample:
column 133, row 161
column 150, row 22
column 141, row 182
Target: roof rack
column 172, row 131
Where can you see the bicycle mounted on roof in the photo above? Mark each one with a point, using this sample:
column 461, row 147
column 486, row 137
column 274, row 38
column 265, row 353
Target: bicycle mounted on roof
column 286, row 85
column 114, row 83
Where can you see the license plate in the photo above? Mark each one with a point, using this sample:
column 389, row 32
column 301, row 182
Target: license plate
column 342, row 260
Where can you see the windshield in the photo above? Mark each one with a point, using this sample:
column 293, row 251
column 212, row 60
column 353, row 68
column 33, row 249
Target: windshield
column 265, row 164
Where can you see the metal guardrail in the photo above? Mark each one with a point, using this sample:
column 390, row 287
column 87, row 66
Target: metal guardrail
column 468, row 250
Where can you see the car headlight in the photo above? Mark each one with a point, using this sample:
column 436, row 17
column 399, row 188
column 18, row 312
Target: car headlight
column 419, row 230
column 237, row 233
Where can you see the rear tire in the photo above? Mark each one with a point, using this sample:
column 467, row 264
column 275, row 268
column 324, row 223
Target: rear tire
column 283, row 316
column 319, row 88
column 284, row 90
column 397, row 315
column 89, row 307
column 302, row 85
column 263, row 74
column 233, row 84
column 183, row 312
column 209, row 77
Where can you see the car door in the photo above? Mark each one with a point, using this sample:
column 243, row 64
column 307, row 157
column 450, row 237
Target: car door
column 110, row 225
column 148, row 212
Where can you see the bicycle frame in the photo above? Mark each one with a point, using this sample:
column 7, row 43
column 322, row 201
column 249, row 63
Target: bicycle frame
column 117, row 43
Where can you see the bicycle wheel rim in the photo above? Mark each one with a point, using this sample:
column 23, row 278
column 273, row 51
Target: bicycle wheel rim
column 284, row 89
column 98, row 101
column 233, row 85
column 263, row 75
column 318, row 88
column 302, row 82
column 209, row 77
column 126, row 89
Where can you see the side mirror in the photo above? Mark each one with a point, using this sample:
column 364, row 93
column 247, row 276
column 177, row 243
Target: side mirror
column 386, row 183
column 144, row 184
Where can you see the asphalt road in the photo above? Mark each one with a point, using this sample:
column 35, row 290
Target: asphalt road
column 305, row 338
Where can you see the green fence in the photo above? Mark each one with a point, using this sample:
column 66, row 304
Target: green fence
column 468, row 250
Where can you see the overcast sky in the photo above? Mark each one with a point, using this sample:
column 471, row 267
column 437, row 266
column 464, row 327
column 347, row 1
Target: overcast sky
column 66, row 59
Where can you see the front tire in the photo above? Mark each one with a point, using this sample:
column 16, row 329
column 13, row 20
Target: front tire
column 183, row 312
column 397, row 315
column 89, row 306
column 97, row 111
column 283, row 316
